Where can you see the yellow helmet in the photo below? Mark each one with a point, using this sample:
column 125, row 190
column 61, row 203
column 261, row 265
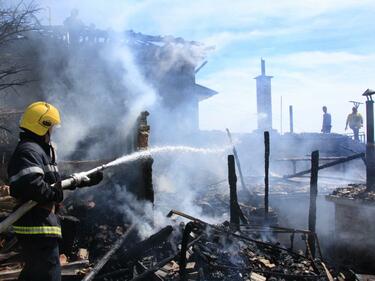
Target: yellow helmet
column 39, row 117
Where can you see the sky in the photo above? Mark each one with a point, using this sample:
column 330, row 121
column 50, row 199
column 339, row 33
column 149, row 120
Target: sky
column 319, row 52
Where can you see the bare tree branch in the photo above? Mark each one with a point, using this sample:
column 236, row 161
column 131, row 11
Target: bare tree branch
column 15, row 23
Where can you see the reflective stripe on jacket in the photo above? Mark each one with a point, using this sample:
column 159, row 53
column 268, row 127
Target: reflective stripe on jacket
column 32, row 170
column 47, row 230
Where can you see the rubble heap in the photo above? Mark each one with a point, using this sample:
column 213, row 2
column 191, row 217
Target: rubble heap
column 199, row 251
column 354, row 191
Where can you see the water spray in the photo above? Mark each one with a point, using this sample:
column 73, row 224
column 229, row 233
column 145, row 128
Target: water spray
column 65, row 184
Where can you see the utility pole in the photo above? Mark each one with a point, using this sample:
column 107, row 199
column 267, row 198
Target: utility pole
column 291, row 118
column 281, row 115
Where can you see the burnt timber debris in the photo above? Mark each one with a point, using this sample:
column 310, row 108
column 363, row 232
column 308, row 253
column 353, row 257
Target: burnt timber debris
column 245, row 248
column 227, row 251
column 252, row 256
column 99, row 265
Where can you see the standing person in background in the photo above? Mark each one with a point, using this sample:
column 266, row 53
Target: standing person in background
column 355, row 122
column 327, row 121
column 74, row 27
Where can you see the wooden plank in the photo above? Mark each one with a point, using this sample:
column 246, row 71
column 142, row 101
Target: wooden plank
column 68, row 269
column 313, row 196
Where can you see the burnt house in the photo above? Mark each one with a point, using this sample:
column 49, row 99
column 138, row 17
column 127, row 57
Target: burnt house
column 102, row 81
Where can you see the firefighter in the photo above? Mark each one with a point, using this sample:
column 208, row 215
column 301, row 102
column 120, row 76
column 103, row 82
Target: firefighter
column 33, row 175
column 355, row 122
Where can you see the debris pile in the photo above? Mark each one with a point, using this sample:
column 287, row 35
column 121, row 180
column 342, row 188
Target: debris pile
column 354, row 191
column 106, row 248
column 99, row 223
column 200, row 251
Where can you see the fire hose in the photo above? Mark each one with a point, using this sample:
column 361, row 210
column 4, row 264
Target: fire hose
column 24, row 208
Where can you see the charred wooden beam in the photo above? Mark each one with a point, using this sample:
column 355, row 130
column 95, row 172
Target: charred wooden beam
column 144, row 275
column 184, row 247
column 73, row 268
column 139, row 249
column 154, row 276
column 143, row 131
column 181, row 214
column 67, row 270
column 238, row 164
column 313, row 195
column 145, row 181
column 232, row 179
column 221, row 230
column 266, row 172
column 235, row 210
column 330, row 164
column 99, row 265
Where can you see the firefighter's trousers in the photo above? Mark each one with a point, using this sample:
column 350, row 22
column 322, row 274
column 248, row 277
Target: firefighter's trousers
column 41, row 257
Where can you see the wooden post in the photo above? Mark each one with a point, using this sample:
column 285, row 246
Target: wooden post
column 370, row 146
column 148, row 189
column 144, row 186
column 238, row 163
column 370, row 121
column 232, row 179
column 313, row 195
column 266, row 172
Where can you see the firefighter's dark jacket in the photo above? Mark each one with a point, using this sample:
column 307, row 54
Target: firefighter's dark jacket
column 31, row 171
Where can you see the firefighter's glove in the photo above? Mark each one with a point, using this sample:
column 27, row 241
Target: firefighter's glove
column 58, row 192
column 79, row 180
column 82, row 180
column 95, row 179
